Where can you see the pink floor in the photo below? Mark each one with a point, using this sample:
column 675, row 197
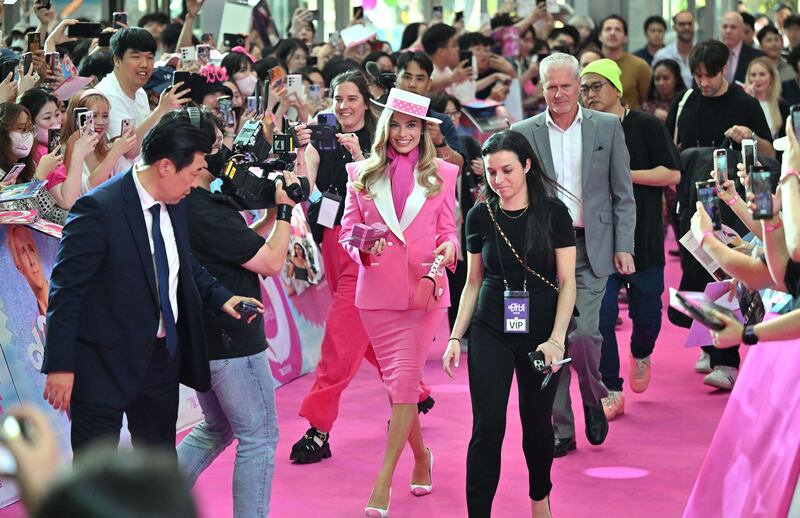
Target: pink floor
column 646, row 467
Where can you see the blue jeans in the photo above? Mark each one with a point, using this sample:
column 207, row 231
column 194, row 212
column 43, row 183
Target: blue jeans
column 644, row 308
column 240, row 404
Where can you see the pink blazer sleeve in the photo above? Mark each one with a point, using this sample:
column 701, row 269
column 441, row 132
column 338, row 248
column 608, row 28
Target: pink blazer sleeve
column 352, row 216
column 446, row 223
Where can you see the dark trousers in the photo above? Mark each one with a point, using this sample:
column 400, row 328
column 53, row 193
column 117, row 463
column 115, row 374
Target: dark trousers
column 644, row 307
column 456, row 281
column 493, row 358
column 152, row 413
column 727, row 357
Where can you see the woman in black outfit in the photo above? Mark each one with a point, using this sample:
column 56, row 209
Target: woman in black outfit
column 520, row 205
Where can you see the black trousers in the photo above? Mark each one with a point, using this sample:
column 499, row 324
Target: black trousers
column 152, row 413
column 728, row 357
column 493, row 358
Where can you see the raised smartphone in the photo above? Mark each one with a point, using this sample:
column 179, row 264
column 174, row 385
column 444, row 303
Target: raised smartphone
column 761, row 187
column 721, row 166
column 748, row 154
column 707, row 194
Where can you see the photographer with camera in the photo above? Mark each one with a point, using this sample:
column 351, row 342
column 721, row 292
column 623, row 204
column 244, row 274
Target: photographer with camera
column 241, row 402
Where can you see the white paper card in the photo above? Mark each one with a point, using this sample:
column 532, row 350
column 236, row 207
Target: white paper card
column 328, row 209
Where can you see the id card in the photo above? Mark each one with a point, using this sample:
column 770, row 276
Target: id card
column 515, row 312
column 328, row 209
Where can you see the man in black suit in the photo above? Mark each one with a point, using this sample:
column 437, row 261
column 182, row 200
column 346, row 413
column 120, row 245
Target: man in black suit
column 124, row 321
column 732, row 35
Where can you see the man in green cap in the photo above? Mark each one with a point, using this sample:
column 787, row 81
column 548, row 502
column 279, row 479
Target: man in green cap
column 655, row 163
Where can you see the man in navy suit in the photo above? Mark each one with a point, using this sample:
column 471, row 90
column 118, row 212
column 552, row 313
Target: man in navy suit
column 740, row 56
column 124, row 321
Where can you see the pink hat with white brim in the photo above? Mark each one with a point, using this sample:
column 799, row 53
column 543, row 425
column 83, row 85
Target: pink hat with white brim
column 409, row 103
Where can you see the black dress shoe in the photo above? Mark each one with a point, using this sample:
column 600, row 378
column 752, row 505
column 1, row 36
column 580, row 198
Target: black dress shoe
column 596, row 424
column 564, row 446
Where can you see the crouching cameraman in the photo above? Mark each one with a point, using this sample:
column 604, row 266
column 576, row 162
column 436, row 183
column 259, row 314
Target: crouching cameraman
column 241, row 402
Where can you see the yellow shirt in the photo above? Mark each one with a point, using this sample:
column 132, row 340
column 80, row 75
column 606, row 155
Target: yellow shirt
column 635, row 79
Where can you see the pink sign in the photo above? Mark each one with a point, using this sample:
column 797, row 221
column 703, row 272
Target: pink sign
column 285, row 349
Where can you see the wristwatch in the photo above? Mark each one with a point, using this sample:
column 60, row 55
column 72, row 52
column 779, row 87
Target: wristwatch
column 749, row 335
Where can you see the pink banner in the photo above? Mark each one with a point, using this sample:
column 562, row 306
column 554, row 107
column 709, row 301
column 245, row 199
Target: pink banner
column 752, row 466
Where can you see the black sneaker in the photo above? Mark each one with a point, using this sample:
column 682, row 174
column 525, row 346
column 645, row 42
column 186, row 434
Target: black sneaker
column 311, row 448
column 423, row 407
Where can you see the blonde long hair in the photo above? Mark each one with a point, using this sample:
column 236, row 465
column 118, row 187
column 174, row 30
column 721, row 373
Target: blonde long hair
column 774, row 92
column 375, row 166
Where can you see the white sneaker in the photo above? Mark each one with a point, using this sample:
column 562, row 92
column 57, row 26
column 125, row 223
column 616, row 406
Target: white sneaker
column 703, row 364
column 722, row 377
column 613, row 404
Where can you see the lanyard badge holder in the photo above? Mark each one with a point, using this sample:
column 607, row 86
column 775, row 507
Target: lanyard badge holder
column 329, row 209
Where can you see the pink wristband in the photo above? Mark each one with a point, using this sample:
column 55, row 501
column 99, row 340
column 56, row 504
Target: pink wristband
column 772, row 228
column 733, row 200
column 707, row 233
column 788, row 174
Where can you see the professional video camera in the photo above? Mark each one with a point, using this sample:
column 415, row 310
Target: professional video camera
column 250, row 191
column 385, row 80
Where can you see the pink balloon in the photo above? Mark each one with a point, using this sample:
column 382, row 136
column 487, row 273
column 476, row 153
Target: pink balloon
column 368, row 5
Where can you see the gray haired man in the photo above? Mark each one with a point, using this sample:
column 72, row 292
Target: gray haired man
column 585, row 152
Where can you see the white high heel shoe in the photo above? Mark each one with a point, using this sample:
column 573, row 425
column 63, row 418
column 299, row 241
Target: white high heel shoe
column 420, row 489
column 377, row 512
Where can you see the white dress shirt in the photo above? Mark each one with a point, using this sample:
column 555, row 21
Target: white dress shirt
column 733, row 61
column 171, row 247
column 671, row 52
column 566, row 147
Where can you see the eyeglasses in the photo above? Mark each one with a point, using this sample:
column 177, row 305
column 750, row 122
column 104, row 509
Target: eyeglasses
column 25, row 129
column 453, row 115
column 594, row 87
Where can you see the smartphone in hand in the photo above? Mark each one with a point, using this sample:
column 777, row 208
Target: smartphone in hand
column 761, row 187
column 707, row 195
column 721, row 166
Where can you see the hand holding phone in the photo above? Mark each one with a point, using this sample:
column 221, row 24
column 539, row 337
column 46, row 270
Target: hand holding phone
column 247, row 310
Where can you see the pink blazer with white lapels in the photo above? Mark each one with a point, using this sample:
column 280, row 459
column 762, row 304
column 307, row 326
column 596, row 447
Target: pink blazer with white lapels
column 389, row 281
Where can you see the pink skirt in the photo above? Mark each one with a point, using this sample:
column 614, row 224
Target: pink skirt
column 401, row 340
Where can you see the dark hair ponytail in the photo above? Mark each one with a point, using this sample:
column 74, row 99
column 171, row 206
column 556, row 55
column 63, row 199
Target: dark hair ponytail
column 542, row 192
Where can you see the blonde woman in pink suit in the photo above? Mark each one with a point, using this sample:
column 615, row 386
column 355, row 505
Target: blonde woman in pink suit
column 403, row 186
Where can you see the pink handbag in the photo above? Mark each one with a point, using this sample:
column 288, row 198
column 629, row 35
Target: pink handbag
column 430, row 288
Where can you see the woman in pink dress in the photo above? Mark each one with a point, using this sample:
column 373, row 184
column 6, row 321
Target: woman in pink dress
column 403, row 186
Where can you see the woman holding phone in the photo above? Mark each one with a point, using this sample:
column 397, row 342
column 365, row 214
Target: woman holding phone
column 403, row 186
column 107, row 159
column 521, row 255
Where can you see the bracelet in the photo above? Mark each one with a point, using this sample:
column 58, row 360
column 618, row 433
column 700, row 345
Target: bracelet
column 555, row 342
column 733, row 200
column 707, row 233
column 285, row 213
column 789, row 174
column 772, row 228
column 456, row 339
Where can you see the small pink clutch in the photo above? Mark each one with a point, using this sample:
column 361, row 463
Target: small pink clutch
column 364, row 236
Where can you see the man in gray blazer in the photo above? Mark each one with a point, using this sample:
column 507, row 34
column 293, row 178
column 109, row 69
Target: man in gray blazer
column 585, row 152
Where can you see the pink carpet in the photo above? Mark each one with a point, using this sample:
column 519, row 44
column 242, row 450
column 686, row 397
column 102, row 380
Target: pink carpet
column 646, row 467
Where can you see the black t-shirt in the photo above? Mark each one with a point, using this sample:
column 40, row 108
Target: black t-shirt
column 482, row 238
column 649, row 146
column 704, row 120
column 222, row 242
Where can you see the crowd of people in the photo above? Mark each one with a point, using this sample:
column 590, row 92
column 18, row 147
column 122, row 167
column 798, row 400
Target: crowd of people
column 530, row 236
